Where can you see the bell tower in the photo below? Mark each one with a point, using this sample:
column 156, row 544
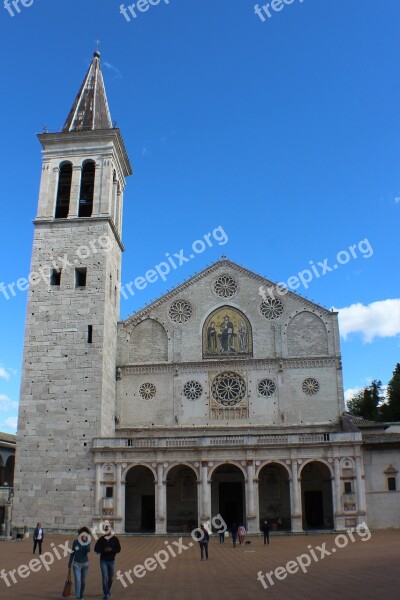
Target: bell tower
column 68, row 373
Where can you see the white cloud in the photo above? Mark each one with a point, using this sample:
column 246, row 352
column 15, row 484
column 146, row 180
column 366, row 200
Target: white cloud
column 378, row 319
column 10, row 423
column 113, row 69
column 6, row 404
column 4, row 374
column 350, row 393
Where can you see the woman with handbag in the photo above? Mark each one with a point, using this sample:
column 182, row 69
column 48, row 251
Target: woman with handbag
column 80, row 561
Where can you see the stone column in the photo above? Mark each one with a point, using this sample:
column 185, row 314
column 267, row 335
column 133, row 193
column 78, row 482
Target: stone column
column 295, row 494
column 161, row 501
column 97, row 491
column 252, row 525
column 360, row 491
column 45, row 207
column 52, row 192
column 75, row 192
column 337, row 496
column 118, row 498
column 205, row 493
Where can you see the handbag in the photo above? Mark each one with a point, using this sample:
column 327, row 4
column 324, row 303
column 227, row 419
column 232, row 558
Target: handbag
column 67, row 585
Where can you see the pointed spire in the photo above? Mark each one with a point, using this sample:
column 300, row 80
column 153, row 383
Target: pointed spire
column 90, row 110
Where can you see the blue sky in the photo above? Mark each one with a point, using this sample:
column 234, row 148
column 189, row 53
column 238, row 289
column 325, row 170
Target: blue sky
column 284, row 132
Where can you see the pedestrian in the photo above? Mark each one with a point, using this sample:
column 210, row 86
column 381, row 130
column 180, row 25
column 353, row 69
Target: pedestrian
column 38, row 537
column 80, row 561
column 221, row 534
column 234, row 533
column 241, row 534
column 107, row 546
column 203, row 538
column 266, row 528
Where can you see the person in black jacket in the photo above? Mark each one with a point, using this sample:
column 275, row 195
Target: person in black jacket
column 266, row 529
column 38, row 537
column 107, row 546
column 203, row 538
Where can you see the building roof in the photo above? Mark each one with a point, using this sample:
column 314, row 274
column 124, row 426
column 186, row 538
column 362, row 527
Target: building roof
column 226, row 263
column 90, row 110
column 352, row 421
column 381, row 438
column 8, row 437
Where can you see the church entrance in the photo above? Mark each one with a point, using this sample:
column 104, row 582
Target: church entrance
column 181, row 500
column 274, row 497
column 140, row 501
column 316, row 493
column 228, row 494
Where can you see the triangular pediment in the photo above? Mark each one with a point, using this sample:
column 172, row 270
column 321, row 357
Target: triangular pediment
column 267, row 287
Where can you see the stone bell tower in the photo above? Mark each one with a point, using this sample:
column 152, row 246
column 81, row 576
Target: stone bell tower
column 68, row 372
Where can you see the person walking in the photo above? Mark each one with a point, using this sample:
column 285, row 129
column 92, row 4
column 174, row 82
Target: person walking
column 80, row 561
column 107, row 546
column 266, row 528
column 221, row 534
column 203, row 538
column 234, row 533
column 241, row 534
column 38, row 537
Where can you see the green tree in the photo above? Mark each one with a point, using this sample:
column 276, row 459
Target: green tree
column 367, row 403
column 393, row 393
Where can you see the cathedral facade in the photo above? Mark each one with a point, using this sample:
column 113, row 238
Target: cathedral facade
column 215, row 399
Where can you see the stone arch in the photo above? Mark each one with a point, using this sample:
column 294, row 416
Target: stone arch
column 319, row 460
column 139, row 464
column 182, row 498
column 228, row 498
column 184, row 464
column 271, row 462
column 227, row 332
column 149, row 342
column 63, row 190
column 317, row 495
column 234, row 463
column 274, row 494
column 139, row 499
column 307, row 335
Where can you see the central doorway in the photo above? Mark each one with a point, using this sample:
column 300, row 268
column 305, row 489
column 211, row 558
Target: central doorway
column 228, row 494
column 316, row 488
column 182, row 511
column 140, row 516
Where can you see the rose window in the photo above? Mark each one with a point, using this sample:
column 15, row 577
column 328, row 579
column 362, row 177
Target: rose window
column 266, row 388
column 192, row 390
column 225, row 286
column 271, row 308
column 310, row 386
column 228, row 388
column 147, row 391
column 180, row 311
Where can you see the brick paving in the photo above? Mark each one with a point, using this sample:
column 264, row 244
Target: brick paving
column 363, row 569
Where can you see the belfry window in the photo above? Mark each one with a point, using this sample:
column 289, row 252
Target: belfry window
column 87, row 189
column 63, row 191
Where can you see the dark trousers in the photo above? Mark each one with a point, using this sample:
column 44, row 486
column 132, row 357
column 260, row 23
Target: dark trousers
column 222, row 537
column 266, row 538
column 107, row 574
column 204, row 549
column 37, row 543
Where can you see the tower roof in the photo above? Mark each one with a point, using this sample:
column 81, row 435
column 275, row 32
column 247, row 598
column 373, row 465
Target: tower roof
column 90, row 110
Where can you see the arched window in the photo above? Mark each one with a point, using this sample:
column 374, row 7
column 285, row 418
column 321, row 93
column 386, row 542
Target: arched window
column 64, row 191
column 87, row 189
